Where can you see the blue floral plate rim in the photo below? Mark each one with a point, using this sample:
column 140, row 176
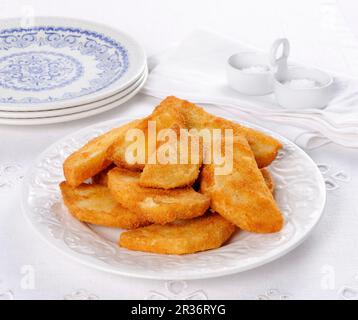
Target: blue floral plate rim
column 40, row 60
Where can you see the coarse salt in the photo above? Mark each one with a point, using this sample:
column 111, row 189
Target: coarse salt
column 256, row 69
column 302, row 84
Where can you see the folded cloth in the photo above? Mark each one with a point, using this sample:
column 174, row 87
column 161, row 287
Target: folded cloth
column 195, row 70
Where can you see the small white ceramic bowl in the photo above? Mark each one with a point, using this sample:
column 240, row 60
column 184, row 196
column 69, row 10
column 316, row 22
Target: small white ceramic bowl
column 303, row 98
column 246, row 82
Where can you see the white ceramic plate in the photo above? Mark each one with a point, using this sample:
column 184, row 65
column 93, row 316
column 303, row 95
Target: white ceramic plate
column 62, row 62
column 74, row 116
column 300, row 194
column 76, row 109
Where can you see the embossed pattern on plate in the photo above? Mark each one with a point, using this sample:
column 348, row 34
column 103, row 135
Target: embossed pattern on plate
column 300, row 193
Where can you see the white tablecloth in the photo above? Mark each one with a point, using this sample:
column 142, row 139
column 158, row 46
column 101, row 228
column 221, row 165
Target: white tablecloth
column 325, row 266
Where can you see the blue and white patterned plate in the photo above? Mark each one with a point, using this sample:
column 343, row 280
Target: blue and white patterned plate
column 59, row 63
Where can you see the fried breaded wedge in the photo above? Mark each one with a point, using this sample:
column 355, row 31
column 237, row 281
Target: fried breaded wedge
column 182, row 237
column 92, row 157
column 158, row 175
column 116, row 152
column 170, row 176
column 164, row 119
column 156, row 205
column 95, row 204
column 242, row 197
column 268, row 179
column 264, row 147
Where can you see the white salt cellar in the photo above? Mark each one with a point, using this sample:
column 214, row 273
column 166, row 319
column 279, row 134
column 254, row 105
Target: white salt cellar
column 298, row 87
column 249, row 73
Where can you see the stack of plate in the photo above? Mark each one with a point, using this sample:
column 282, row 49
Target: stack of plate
column 63, row 69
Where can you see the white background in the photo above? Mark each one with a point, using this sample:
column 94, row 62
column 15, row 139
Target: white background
column 321, row 32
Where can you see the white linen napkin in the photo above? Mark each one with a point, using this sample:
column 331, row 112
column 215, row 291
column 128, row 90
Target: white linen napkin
column 195, row 70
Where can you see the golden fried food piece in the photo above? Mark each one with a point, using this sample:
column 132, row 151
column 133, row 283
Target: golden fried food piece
column 264, row 147
column 166, row 176
column 182, row 237
column 95, row 204
column 268, row 179
column 164, row 118
column 156, row 205
column 242, row 197
column 158, row 175
column 170, row 176
column 92, row 157
column 116, row 152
